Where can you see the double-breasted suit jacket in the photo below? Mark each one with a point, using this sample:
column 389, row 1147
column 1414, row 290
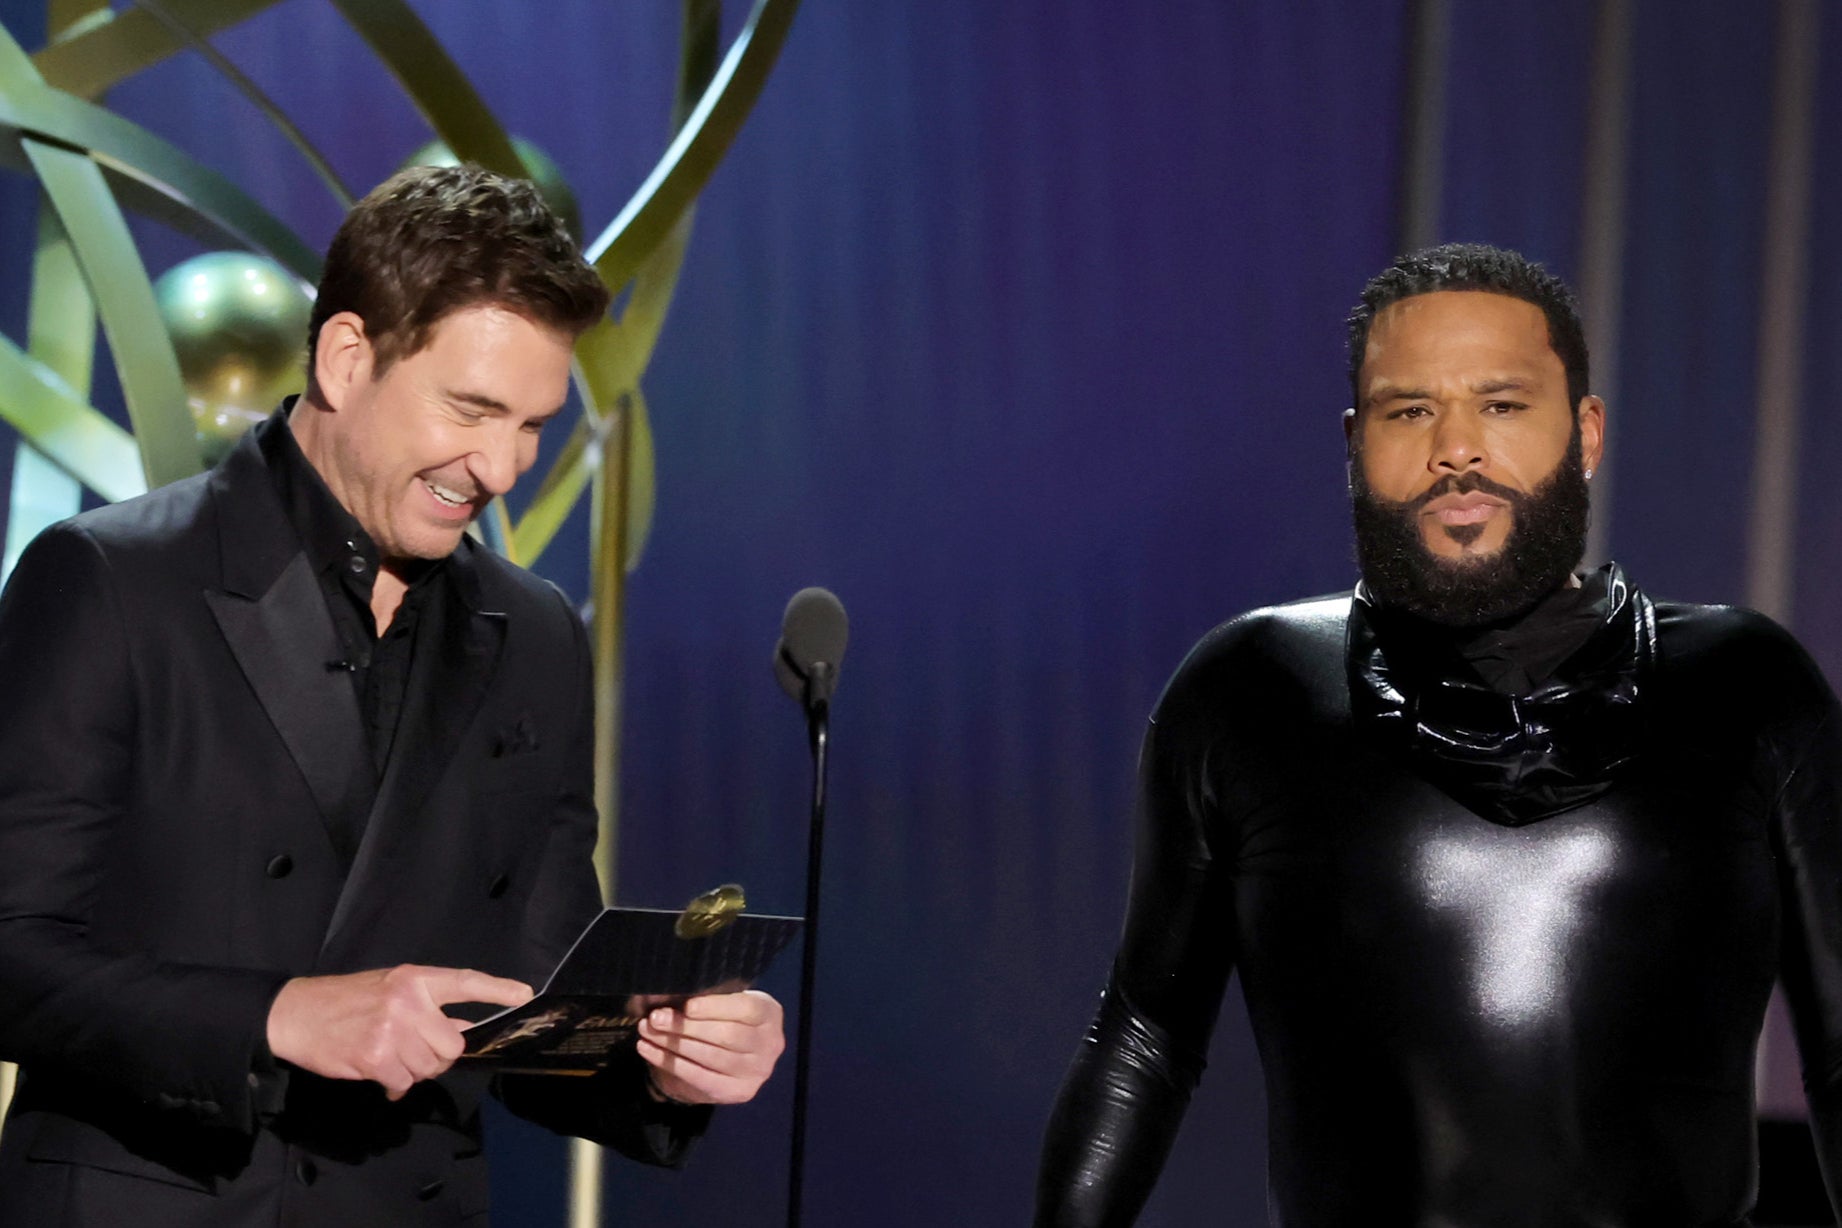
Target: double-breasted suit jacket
column 180, row 759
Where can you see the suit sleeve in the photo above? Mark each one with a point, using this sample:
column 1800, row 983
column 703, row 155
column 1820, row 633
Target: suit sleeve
column 173, row 1036
column 1131, row 1079
column 612, row 1108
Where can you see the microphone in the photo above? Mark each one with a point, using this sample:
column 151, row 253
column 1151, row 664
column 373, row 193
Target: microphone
column 350, row 664
column 813, row 633
column 812, row 637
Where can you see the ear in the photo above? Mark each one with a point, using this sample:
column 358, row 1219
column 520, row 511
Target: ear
column 341, row 358
column 1592, row 431
column 1349, row 448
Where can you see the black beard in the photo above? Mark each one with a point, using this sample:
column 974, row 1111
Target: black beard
column 1547, row 537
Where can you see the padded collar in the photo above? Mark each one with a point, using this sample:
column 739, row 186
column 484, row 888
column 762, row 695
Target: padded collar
column 1512, row 759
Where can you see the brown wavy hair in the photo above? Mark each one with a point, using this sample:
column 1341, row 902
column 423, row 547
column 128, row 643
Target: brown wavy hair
column 432, row 240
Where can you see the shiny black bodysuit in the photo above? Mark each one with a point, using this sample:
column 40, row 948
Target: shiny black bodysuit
column 1506, row 958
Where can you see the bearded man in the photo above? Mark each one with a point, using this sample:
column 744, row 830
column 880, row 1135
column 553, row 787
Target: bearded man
column 1508, row 857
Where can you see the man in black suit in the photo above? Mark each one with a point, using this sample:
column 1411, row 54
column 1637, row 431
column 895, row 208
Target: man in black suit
column 288, row 763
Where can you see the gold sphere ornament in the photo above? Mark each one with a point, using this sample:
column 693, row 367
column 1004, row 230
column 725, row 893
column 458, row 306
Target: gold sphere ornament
column 540, row 169
column 239, row 328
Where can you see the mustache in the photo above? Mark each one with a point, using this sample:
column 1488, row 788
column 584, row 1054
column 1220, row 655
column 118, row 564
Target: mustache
column 1546, row 539
column 1464, row 484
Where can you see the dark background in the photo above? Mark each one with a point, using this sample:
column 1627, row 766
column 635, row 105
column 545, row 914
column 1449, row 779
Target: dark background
column 1019, row 325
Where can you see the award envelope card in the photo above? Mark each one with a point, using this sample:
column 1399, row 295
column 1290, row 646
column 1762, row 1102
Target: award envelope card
column 628, row 961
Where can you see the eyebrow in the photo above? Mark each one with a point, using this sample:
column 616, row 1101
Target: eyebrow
column 1484, row 388
column 1389, row 393
column 477, row 398
column 493, row 404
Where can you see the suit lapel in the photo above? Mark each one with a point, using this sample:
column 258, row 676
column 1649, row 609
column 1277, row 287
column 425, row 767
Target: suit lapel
column 457, row 653
column 273, row 616
column 283, row 642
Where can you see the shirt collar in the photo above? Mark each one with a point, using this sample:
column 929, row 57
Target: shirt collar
column 331, row 535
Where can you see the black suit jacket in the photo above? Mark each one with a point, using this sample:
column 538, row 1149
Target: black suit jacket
column 175, row 754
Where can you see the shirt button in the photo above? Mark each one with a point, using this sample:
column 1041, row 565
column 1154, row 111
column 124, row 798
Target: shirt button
column 306, row 1172
column 428, row 1190
column 357, row 564
column 498, row 887
column 279, row 866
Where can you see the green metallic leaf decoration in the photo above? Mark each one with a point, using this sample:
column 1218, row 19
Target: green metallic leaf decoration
column 110, row 47
column 59, row 423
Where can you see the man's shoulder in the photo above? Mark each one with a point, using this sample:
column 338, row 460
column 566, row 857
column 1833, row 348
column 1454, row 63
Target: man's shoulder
column 1295, row 645
column 1692, row 632
column 160, row 536
column 164, row 516
column 506, row 586
column 1310, row 626
column 1735, row 653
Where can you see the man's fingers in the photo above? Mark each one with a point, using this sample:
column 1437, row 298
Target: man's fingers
column 668, row 1023
column 396, row 1086
column 716, row 1049
column 693, row 1084
column 384, row 1025
column 391, row 1072
column 710, row 1054
column 442, row 1038
column 749, row 1006
column 665, row 1062
column 408, row 1056
column 743, row 1023
column 683, row 1079
column 447, row 985
column 711, row 1062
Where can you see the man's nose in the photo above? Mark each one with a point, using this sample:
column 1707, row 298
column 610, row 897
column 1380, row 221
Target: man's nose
column 496, row 464
column 1458, row 443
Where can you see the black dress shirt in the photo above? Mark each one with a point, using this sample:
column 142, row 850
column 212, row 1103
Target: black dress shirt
column 345, row 561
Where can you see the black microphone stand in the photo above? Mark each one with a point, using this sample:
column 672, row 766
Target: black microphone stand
column 818, row 714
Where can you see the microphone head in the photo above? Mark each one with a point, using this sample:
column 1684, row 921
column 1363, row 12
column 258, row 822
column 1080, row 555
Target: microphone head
column 815, row 629
column 813, row 633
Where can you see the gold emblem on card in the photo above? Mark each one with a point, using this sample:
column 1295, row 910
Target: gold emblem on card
column 710, row 912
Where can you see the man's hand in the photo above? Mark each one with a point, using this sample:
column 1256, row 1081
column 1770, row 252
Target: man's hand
column 715, row 1049
column 385, row 1025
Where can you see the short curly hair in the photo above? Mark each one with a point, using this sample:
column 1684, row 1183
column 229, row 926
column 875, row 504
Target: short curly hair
column 432, row 240
column 1475, row 266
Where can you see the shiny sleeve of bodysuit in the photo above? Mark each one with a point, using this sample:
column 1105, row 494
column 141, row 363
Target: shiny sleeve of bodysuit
column 1131, row 1078
column 1804, row 748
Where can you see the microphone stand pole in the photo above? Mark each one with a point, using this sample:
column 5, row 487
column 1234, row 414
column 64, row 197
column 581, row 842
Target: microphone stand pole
column 818, row 714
